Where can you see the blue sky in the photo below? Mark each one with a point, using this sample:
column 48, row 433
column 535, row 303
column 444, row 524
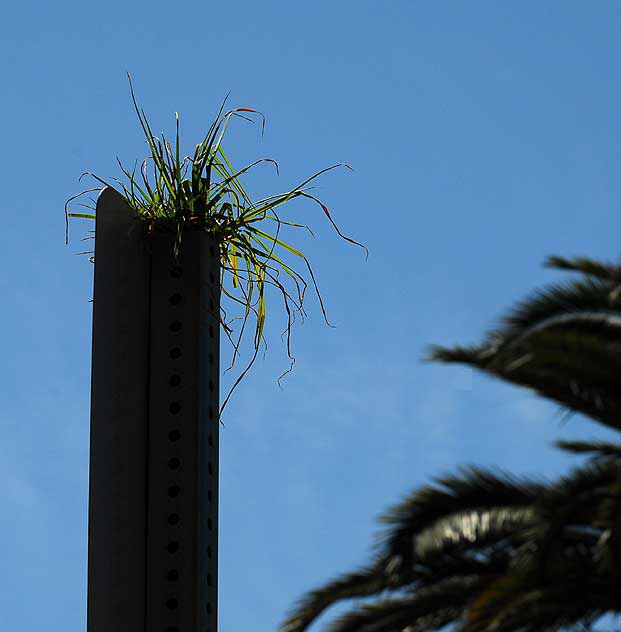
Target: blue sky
column 484, row 137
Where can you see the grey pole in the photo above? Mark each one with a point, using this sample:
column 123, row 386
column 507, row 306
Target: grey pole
column 153, row 496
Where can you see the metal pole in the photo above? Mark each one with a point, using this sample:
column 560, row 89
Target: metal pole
column 153, row 503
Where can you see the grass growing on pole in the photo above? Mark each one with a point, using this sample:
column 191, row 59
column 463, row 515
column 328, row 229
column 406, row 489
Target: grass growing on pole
column 204, row 192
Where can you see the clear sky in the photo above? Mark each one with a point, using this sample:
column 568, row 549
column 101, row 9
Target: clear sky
column 484, row 137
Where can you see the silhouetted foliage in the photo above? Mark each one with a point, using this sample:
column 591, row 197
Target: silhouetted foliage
column 486, row 552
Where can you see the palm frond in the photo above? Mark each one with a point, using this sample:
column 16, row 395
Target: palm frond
column 573, row 500
column 596, row 448
column 473, row 489
column 368, row 581
column 590, row 267
column 426, row 609
column 514, row 604
column 573, row 358
column 475, row 529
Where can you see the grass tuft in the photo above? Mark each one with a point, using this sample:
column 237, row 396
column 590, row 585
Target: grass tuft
column 204, row 192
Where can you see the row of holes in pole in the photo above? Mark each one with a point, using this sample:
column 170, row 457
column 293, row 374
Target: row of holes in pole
column 174, row 436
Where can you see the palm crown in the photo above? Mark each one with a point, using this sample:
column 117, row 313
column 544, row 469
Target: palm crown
column 484, row 552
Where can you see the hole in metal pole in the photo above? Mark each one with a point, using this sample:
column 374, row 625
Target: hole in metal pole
column 209, row 468
column 175, row 326
column 174, row 408
column 174, row 435
column 208, row 608
column 175, row 380
column 210, row 386
column 174, row 463
column 209, row 523
column 173, row 546
column 210, row 358
column 209, row 551
column 176, row 272
column 173, row 491
column 173, row 518
column 175, row 353
column 172, row 628
column 210, row 439
column 209, row 496
column 172, row 603
column 175, row 299
column 172, row 575
column 211, row 331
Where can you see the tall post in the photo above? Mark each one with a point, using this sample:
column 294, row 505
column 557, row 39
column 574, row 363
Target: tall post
column 153, row 496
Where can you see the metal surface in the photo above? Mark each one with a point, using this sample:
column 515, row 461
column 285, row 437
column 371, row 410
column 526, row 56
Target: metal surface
column 183, row 436
column 118, row 449
column 153, row 506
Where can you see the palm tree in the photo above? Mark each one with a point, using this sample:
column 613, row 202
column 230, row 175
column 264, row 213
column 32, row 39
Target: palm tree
column 486, row 552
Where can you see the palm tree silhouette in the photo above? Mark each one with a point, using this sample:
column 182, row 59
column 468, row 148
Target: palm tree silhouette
column 486, row 552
